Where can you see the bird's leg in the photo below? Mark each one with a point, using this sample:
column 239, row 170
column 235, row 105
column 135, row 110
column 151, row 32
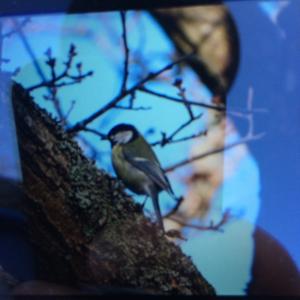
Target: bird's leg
column 145, row 200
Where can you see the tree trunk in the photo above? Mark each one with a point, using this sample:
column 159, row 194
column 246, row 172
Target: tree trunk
column 84, row 226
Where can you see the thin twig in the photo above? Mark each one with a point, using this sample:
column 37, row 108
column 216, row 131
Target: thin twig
column 57, row 105
column 181, row 93
column 249, row 137
column 165, row 140
column 51, row 83
column 175, row 208
column 130, row 105
column 126, row 50
column 96, row 132
column 211, row 227
column 132, row 108
column 54, row 81
column 19, row 30
column 179, row 100
column 183, row 139
column 239, row 113
column 73, row 102
column 249, row 106
column 184, row 162
column 184, row 125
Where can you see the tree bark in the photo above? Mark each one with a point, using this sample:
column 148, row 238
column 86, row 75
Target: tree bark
column 84, row 226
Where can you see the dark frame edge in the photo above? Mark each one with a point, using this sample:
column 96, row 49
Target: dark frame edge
column 33, row 7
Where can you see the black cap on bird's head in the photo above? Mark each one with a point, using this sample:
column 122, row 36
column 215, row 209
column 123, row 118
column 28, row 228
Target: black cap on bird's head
column 122, row 134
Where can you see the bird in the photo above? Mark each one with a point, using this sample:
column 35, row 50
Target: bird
column 137, row 166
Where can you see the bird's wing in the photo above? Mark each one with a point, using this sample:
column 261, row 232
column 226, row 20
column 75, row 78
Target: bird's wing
column 152, row 169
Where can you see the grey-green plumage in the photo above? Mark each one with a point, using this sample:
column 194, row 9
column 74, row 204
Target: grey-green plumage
column 137, row 166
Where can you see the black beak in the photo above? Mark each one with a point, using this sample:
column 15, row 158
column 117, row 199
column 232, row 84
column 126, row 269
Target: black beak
column 104, row 137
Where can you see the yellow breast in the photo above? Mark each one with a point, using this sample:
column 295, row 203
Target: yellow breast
column 133, row 179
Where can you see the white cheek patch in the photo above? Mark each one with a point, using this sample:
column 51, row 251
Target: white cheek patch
column 123, row 137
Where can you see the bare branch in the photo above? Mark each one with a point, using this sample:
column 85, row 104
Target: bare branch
column 211, row 227
column 179, row 100
column 132, row 108
column 19, row 30
column 175, row 208
column 80, row 125
column 182, row 90
column 96, row 132
column 165, row 140
column 55, row 101
column 249, row 107
column 55, row 80
column 126, row 49
column 242, row 113
column 184, row 162
column 131, row 104
column 184, row 125
column 249, row 137
column 69, row 111
column 189, row 137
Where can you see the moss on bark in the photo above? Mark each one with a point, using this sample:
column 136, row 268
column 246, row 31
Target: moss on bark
column 83, row 224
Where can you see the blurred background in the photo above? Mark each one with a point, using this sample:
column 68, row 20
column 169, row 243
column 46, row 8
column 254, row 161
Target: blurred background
column 240, row 214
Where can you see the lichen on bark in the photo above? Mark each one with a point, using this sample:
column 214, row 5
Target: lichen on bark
column 83, row 224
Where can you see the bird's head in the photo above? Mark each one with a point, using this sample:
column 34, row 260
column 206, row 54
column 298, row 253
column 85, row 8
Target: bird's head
column 122, row 134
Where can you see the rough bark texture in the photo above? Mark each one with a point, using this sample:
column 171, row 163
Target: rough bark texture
column 84, row 226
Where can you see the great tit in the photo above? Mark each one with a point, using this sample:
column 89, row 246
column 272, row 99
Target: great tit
column 137, row 166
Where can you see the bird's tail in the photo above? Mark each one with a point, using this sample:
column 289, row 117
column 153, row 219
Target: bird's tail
column 154, row 197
